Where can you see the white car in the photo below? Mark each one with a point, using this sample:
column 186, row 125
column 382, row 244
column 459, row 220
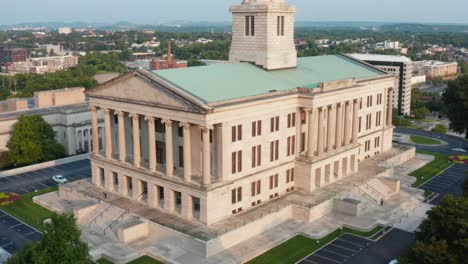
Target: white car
column 459, row 150
column 393, row 262
column 59, row 179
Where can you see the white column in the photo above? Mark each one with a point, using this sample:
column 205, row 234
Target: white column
column 311, row 133
column 152, row 143
column 206, row 157
column 298, row 131
column 108, row 133
column 339, row 126
column 136, row 140
column 347, row 127
column 355, row 121
column 122, row 145
column 187, row 152
column 320, row 137
column 187, row 210
column 331, row 128
column 169, row 148
column 390, row 107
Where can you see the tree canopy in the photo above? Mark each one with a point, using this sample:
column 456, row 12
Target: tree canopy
column 61, row 244
column 443, row 236
column 456, row 102
column 33, row 140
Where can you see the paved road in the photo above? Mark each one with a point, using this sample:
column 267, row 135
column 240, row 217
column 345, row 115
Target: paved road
column 41, row 179
column 453, row 141
column 14, row 235
column 448, row 182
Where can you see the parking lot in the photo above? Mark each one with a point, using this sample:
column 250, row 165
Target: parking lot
column 42, row 178
column 14, row 234
column 447, row 182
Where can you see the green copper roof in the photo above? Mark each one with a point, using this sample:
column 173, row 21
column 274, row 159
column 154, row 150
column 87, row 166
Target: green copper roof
column 219, row 82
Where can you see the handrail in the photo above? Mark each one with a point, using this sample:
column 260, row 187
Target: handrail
column 375, row 190
column 115, row 221
column 365, row 193
column 99, row 215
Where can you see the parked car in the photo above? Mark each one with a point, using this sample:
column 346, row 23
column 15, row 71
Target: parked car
column 393, row 262
column 459, row 150
column 59, row 179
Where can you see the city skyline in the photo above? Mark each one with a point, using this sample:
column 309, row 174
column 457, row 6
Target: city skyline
column 153, row 12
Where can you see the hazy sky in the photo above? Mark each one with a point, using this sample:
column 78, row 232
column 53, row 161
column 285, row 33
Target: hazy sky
column 153, row 11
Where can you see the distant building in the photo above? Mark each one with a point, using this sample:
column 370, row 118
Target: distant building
column 433, row 69
column 65, row 30
column 43, row 64
column 66, row 110
column 402, row 67
column 52, row 49
column 169, row 63
column 418, row 79
column 10, row 55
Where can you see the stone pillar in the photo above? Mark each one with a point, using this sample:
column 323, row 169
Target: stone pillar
column 339, row 126
column 152, row 202
column 390, row 107
column 298, row 131
column 123, row 185
column 311, row 133
column 206, row 157
column 331, row 128
column 169, row 148
column 340, row 168
column 168, row 200
column 152, row 143
column 109, row 183
column 122, row 145
column 136, row 189
column 94, row 124
column 355, row 121
column 187, row 152
column 136, row 140
column 347, row 127
column 108, row 133
column 320, row 137
column 187, row 204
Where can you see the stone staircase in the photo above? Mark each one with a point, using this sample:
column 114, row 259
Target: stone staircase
column 108, row 219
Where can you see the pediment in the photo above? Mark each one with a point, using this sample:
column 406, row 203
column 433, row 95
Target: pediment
column 138, row 89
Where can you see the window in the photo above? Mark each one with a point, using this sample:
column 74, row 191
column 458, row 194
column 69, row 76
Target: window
column 180, row 131
column 377, row 142
column 236, row 133
column 290, row 175
column 274, row 150
column 236, row 161
column 250, row 26
column 274, row 124
column 291, row 120
column 368, row 121
column 379, row 99
column 367, row 146
column 303, row 116
column 255, row 188
column 360, row 121
column 369, row 101
column 160, row 127
column 256, row 156
column 280, row 25
column 273, row 181
column 290, row 145
column 257, row 128
column 181, row 156
column 378, row 118
column 236, row 195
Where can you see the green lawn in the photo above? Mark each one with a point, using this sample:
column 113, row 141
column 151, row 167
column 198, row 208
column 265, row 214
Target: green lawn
column 424, row 140
column 431, row 169
column 29, row 212
column 300, row 246
column 140, row 260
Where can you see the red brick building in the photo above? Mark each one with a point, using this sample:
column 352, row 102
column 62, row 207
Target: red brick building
column 169, row 63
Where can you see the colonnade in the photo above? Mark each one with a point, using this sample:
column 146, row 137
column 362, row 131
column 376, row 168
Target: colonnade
column 169, row 146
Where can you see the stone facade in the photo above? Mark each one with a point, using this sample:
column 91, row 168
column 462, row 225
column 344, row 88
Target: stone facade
column 262, row 33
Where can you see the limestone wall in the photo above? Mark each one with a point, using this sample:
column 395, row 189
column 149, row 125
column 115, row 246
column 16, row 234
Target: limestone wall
column 132, row 233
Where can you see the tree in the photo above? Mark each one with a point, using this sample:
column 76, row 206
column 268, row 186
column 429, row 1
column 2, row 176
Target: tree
column 61, row 244
column 33, row 140
column 443, row 236
column 421, row 113
column 193, row 63
column 456, row 104
column 437, row 81
column 440, row 129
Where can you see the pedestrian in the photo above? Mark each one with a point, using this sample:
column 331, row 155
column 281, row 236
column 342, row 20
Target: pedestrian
column 105, row 195
column 381, row 201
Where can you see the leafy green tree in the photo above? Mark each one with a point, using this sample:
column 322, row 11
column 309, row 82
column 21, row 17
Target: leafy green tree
column 456, row 103
column 33, row 140
column 193, row 63
column 440, row 129
column 443, row 236
column 437, row 81
column 61, row 244
column 421, row 112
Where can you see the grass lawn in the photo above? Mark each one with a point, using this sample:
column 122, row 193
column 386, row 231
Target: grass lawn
column 25, row 210
column 299, row 247
column 140, row 260
column 424, row 140
column 431, row 169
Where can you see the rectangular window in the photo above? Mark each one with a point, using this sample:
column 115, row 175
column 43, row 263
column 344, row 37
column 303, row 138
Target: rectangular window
column 247, row 25
column 181, row 156
column 239, row 194
column 291, row 120
column 239, row 161
column 303, row 116
column 303, row 137
column 276, row 180
column 277, row 123
column 255, row 188
column 256, row 128
column 360, row 121
column 290, row 145
column 256, row 156
column 236, row 195
column 259, row 188
column 271, row 182
column 236, row 162
column 274, row 124
column 280, row 25
column 233, row 196
column 274, row 150
column 236, row 133
column 252, row 26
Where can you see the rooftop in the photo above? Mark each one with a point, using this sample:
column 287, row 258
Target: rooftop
column 379, row 57
column 220, row 82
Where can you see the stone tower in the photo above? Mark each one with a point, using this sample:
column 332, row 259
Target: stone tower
column 263, row 33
